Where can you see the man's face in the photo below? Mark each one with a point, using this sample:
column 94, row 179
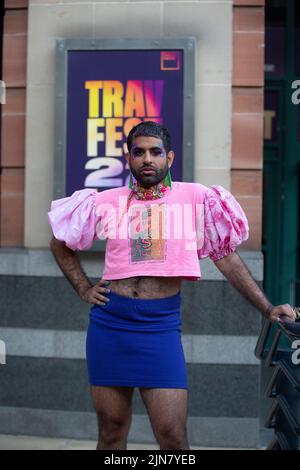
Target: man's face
column 148, row 160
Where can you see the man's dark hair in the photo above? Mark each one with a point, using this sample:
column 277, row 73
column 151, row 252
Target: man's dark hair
column 150, row 129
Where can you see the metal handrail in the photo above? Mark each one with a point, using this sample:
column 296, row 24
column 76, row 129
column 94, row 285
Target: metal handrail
column 284, row 327
column 280, row 439
column 291, row 418
column 280, row 411
column 269, row 423
column 269, row 359
column 260, row 345
column 282, row 368
column 281, row 404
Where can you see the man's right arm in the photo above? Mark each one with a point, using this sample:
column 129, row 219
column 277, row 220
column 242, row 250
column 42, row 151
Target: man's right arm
column 70, row 265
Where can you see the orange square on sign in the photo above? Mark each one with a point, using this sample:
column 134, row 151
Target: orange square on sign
column 169, row 60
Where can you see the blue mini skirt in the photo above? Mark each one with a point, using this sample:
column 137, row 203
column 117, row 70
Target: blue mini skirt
column 136, row 343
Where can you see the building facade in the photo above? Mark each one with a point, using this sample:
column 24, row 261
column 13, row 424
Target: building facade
column 44, row 388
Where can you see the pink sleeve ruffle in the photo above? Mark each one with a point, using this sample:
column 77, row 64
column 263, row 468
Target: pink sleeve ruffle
column 73, row 219
column 225, row 224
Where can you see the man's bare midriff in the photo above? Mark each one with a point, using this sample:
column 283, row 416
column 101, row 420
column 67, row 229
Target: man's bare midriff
column 146, row 287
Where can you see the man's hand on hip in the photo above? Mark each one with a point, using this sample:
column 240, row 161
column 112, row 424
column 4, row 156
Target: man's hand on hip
column 94, row 294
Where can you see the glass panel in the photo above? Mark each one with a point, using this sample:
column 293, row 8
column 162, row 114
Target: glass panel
column 275, row 40
column 271, row 116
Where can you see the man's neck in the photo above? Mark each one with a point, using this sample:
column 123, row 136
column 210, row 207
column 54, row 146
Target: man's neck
column 152, row 192
column 154, row 186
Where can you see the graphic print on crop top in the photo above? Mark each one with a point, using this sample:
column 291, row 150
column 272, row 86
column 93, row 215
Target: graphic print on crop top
column 146, row 228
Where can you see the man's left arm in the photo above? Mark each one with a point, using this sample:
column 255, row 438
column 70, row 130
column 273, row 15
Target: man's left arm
column 237, row 273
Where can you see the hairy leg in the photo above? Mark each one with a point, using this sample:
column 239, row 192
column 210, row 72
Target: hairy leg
column 113, row 406
column 168, row 410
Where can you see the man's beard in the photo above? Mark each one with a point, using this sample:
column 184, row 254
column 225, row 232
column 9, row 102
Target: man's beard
column 150, row 180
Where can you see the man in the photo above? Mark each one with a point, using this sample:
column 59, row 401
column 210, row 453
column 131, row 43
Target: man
column 133, row 337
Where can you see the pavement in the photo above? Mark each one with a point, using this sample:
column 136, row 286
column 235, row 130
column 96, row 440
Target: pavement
column 13, row 442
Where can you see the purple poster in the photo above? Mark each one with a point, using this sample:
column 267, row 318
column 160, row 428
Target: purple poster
column 109, row 92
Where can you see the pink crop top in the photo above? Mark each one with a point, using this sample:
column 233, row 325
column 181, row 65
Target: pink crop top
column 162, row 237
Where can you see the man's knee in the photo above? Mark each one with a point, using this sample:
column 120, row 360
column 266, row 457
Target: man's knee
column 113, row 432
column 172, row 433
column 113, row 428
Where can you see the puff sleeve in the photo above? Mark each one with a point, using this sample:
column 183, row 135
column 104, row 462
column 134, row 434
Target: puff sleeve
column 225, row 224
column 73, row 219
